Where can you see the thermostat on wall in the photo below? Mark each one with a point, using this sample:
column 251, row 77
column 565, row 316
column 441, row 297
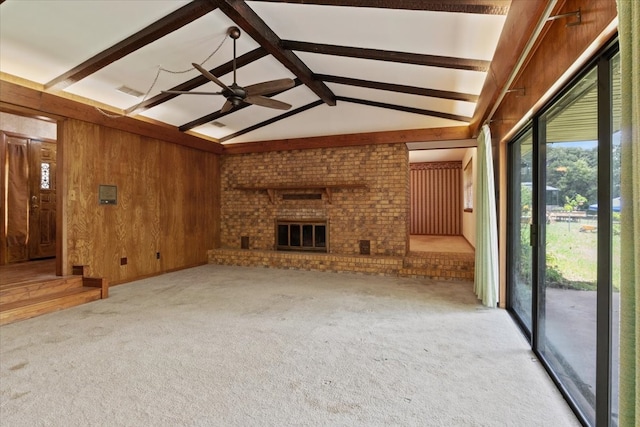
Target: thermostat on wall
column 108, row 194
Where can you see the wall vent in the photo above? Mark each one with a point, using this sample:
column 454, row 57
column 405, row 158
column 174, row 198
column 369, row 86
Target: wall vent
column 303, row 196
column 127, row 90
column 365, row 247
column 218, row 124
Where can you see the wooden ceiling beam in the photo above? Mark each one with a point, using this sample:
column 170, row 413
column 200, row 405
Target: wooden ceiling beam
column 153, row 32
column 386, row 55
column 405, row 109
column 350, row 140
column 199, row 80
column 485, row 7
column 272, row 120
column 413, row 90
column 217, row 115
column 240, row 13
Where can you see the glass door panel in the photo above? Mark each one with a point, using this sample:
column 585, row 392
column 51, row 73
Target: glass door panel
column 521, row 275
column 568, row 257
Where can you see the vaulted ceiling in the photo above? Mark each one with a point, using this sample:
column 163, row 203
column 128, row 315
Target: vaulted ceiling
column 357, row 66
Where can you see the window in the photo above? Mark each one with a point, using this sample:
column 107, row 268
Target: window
column 45, row 176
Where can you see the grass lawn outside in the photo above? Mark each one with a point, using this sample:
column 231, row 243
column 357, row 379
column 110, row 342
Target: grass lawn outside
column 573, row 254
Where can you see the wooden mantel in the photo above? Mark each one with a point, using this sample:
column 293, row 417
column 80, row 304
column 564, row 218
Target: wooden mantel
column 327, row 189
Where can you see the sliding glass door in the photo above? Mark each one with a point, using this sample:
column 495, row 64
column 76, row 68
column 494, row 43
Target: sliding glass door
column 569, row 240
column 521, row 268
column 564, row 249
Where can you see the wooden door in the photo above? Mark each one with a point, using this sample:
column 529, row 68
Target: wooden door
column 42, row 199
column 15, row 182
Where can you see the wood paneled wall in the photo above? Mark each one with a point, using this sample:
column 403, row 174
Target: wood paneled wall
column 436, row 198
column 558, row 50
column 168, row 202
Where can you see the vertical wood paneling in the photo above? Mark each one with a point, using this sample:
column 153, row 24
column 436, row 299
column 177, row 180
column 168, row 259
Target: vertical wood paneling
column 189, row 204
column 436, row 198
column 167, row 203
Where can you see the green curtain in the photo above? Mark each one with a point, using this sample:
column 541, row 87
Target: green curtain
column 628, row 26
column 486, row 266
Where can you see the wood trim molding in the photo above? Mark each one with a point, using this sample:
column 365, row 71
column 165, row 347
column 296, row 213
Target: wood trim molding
column 350, row 140
column 327, row 189
column 50, row 104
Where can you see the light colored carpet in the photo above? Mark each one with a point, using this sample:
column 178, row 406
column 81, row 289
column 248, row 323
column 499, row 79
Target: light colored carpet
column 232, row 346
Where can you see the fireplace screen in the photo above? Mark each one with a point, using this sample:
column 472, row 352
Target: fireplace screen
column 301, row 236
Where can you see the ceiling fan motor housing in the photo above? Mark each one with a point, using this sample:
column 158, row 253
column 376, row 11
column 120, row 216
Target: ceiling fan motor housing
column 236, row 95
column 234, row 32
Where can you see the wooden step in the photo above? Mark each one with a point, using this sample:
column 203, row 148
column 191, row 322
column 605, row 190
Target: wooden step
column 38, row 288
column 25, row 309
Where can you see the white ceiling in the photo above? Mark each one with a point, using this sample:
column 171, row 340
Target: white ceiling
column 41, row 40
column 437, row 155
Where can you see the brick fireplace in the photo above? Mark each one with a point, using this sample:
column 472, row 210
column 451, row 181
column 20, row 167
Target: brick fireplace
column 275, row 205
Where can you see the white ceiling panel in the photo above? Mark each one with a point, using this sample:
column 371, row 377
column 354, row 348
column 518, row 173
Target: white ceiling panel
column 392, row 72
column 326, row 120
column 249, row 116
column 185, row 108
column 437, row 155
column 173, row 53
column 448, row 106
column 42, row 39
column 463, row 35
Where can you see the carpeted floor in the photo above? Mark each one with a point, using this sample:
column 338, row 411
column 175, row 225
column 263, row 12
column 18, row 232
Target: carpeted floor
column 231, row 346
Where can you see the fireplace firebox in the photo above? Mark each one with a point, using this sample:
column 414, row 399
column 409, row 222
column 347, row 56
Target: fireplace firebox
column 297, row 235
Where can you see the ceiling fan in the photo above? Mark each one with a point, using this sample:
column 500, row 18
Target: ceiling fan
column 236, row 94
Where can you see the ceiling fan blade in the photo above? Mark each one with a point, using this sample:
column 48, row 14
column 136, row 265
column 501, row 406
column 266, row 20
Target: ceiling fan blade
column 210, row 76
column 267, row 102
column 272, row 86
column 186, row 92
column 226, row 107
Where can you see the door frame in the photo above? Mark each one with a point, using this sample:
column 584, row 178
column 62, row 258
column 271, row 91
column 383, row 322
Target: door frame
column 60, row 197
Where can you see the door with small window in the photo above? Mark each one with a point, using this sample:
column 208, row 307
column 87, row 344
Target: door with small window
column 42, row 199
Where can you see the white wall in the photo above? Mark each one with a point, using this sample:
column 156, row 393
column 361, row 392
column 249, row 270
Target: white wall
column 469, row 218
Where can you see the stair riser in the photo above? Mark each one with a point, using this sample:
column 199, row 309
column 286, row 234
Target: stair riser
column 55, row 304
column 40, row 289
